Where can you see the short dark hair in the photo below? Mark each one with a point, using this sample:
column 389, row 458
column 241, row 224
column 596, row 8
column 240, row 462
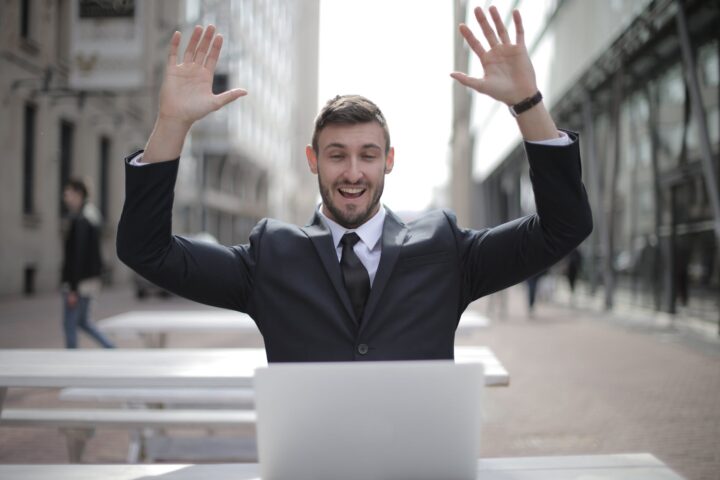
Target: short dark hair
column 349, row 110
column 78, row 185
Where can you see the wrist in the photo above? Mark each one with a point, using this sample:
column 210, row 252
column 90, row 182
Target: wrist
column 166, row 140
column 525, row 104
column 172, row 124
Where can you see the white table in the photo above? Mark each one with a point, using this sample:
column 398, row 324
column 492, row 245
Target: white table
column 163, row 368
column 597, row 467
column 154, row 327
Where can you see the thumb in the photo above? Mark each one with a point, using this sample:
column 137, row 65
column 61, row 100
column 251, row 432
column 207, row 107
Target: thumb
column 474, row 83
column 229, row 96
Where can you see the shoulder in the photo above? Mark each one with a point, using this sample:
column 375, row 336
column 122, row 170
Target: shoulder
column 270, row 230
column 440, row 219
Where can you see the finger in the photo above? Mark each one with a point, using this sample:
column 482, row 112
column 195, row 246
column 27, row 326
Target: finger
column 472, row 41
column 202, row 50
column 472, row 82
column 499, row 25
column 192, row 44
column 519, row 30
column 212, row 58
column 174, row 44
column 231, row 95
column 486, row 28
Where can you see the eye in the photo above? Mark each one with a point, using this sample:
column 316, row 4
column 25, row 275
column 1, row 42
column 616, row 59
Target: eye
column 337, row 156
column 368, row 156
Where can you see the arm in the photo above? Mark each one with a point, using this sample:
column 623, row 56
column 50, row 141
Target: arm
column 499, row 257
column 204, row 272
column 210, row 274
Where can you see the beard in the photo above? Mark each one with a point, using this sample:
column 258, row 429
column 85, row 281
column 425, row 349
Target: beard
column 354, row 216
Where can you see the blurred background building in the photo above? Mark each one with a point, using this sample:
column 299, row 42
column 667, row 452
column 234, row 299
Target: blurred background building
column 78, row 92
column 639, row 80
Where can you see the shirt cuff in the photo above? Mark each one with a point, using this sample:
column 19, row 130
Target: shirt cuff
column 561, row 141
column 136, row 161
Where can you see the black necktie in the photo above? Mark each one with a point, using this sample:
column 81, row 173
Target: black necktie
column 357, row 281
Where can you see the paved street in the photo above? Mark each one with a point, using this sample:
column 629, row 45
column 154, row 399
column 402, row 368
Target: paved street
column 581, row 383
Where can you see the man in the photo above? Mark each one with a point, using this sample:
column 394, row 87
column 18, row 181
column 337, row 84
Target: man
column 357, row 283
column 82, row 264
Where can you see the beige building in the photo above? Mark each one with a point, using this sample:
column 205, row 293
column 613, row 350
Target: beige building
column 51, row 129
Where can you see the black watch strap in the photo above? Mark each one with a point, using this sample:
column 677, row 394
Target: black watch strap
column 526, row 104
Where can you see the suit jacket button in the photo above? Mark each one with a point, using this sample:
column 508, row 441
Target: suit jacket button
column 362, row 349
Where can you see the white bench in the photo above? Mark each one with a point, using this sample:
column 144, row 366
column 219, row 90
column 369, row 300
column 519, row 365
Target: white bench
column 167, row 397
column 78, row 425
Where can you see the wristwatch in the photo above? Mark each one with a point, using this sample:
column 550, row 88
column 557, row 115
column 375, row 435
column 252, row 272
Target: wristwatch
column 525, row 105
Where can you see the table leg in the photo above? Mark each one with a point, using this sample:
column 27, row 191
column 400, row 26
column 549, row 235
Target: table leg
column 76, row 439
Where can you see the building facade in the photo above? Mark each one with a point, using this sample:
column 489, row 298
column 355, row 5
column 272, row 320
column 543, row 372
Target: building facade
column 53, row 129
column 639, row 81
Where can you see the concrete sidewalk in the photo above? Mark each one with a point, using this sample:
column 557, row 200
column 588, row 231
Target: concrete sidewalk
column 581, row 382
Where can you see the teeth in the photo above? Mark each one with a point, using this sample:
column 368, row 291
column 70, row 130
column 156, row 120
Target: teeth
column 351, row 191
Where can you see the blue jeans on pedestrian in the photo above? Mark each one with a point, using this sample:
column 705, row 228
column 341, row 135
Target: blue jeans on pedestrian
column 78, row 317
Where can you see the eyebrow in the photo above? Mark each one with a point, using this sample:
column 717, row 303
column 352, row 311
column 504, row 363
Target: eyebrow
column 340, row 145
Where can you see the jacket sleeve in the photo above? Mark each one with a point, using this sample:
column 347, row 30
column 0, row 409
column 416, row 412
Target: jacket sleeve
column 204, row 272
column 502, row 256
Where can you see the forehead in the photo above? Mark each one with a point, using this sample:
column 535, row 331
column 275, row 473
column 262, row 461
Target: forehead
column 352, row 136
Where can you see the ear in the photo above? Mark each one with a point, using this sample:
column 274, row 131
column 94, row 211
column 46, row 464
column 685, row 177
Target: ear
column 311, row 159
column 390, row 160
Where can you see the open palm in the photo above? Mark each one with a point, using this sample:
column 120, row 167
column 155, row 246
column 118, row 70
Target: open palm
column 186, row 93
column 508, row 73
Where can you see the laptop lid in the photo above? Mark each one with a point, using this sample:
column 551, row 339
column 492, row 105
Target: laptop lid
column 369, row 420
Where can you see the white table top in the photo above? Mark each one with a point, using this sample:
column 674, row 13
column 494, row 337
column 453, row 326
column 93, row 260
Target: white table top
column 596, row 467
column 164, row 367
column 163, row 321
column 130, row 367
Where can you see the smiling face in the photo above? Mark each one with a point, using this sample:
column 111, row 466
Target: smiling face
column 351, row 165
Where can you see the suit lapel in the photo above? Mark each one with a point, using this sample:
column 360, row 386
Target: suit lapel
column 393, row 238
column 321, row 238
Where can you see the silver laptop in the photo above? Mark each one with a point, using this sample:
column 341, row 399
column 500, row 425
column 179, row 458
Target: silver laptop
column 369, row 420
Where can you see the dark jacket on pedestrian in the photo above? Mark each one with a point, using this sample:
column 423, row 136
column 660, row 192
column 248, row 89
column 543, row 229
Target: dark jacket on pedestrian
column 82, row 259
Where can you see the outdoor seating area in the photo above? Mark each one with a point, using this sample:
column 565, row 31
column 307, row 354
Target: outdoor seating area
column 155, row 391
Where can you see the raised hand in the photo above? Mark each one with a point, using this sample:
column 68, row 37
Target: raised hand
column 508, row 73
column 186, row 93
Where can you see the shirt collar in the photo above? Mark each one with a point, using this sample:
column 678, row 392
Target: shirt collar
column 369, row 232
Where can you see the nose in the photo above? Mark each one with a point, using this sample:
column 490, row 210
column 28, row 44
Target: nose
column 353, row 173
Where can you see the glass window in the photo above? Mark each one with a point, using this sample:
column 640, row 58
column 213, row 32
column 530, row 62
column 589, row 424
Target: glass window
column 671, row 116
column 104, row 170
column 26, row 15
column 30, row 115
column 709, row 66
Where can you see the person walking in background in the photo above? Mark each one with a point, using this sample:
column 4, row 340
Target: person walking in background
column 572, row 270
column 532, row 288
column 82, row 264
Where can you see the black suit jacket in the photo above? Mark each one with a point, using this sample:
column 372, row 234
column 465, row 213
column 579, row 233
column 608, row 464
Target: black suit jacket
column 288, row 278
